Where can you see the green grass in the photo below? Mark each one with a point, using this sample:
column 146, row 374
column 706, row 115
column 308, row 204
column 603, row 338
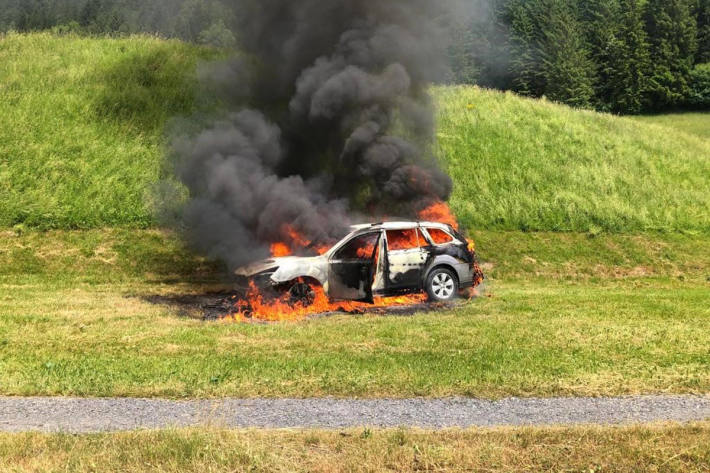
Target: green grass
column 697, row 123
column 659, row 448
column 81, row 141
column 527, row 164
column 593, row 312
column 568, row 315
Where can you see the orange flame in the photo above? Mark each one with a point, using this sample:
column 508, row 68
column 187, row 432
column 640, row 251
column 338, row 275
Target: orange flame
column 281, row 309
column 439, row 212
column 294, row 242
column 257, row 306
column 404, row 240
column 279, row 250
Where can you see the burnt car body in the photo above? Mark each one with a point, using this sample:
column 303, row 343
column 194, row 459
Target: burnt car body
column 382, row 259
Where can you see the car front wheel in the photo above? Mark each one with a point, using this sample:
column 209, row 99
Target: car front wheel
column 301, row 293
column 442, row 285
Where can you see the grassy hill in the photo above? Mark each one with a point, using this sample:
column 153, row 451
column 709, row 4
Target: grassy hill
column 534, row 165
column 82, row 126
column 82, row 141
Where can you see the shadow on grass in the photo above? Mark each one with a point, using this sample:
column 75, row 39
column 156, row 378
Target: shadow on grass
column 145, row 88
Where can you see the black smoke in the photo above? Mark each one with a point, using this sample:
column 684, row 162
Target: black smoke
column 330, row 121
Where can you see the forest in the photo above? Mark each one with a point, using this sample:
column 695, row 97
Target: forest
column 619, row 56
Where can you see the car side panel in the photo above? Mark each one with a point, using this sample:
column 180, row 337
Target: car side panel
column 464, row 271
column 316, row 268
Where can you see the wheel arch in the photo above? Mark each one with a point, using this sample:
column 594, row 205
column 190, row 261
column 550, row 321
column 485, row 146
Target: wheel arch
column 311, row 268
column 307, row 279
column 439, row 265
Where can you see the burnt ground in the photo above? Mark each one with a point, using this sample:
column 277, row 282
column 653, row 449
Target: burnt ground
column 207, row 306
column 213, row 306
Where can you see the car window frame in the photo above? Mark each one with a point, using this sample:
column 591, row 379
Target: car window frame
column 347, row 240
column 430, row 239
column 419, row 242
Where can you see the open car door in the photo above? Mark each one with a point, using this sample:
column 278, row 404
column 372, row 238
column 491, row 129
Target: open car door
column 405, row 259
column 352, row 268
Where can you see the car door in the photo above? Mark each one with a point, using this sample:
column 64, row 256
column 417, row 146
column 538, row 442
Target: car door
column 405, row 259
column 352, row 266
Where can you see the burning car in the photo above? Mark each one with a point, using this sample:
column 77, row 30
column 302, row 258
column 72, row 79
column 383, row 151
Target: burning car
column 374, row 260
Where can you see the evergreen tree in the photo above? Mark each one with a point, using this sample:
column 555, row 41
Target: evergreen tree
column 702, row 14
column 526, row 62
column 672, row 32
column 488, row 44
column 462, row 56
column 629, row 61
column 9, row 14
column 89, row 13
column 600, row 21
column 567, row 70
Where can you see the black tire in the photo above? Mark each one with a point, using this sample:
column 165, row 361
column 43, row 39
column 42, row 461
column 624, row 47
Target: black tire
column 301, row 293
column 442, row 285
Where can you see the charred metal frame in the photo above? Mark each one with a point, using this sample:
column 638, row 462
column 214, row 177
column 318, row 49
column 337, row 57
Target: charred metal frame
column 362, row 279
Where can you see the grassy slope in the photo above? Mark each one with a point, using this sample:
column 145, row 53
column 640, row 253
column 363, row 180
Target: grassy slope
column 534, row 165
column 570, row 315
column 80, row 146
column 661, row 448
column 82, row 122
column 697, row 123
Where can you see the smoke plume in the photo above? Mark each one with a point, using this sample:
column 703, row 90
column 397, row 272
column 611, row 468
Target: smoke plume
column 330, row 121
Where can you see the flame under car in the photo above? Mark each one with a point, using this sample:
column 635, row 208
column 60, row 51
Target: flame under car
column 383, row 259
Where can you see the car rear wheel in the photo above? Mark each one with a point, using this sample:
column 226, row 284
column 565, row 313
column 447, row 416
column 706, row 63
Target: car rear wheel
column 442, row 285
column 302, row 293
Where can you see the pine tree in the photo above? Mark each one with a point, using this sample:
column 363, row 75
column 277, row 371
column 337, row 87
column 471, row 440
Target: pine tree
column 629, row 61
column 600, row 20
column 566, row 67
column 89, row 13
column 489, row 44
column 672, row 32
column 462, row 55
column 702, row 14
column 526, row 62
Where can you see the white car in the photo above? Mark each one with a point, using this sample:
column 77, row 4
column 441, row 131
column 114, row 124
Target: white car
column 381, row 259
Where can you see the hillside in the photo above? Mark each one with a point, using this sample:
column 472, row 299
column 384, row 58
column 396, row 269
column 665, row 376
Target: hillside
column 82, row 126
column 82, row 144
column 534, row 165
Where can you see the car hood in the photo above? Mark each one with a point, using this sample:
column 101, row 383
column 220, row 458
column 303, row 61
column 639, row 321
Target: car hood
column 288, row 268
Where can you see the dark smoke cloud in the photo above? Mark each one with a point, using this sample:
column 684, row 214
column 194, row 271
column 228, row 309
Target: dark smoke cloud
column 344, row 124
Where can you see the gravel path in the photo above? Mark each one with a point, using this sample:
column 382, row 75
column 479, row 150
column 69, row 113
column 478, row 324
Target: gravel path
column 102, row 415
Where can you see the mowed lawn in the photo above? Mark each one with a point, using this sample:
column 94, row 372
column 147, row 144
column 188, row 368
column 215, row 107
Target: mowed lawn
column 694, row 123
column 563, row 314
column 658, row 448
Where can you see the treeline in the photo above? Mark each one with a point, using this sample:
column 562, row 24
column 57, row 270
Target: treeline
column 200, row 21
column 622, row 56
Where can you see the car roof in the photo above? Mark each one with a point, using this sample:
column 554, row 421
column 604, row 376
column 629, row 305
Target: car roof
column 400, row 225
